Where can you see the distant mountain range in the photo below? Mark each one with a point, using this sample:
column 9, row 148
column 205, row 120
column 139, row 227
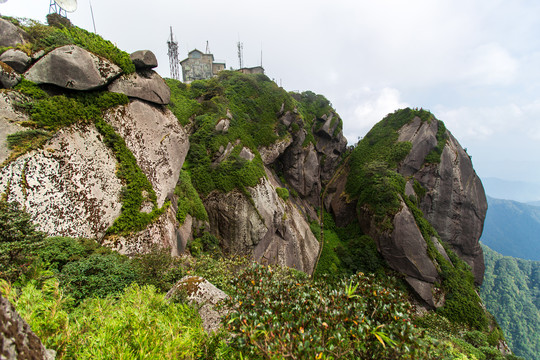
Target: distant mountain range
column 512, row 228
column 525, row 192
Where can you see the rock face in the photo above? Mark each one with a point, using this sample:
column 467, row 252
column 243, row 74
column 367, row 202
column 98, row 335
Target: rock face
column 266, row 227
column 8, row 77
column 69, row 187
column 17, row 59
column 74, row 68
column 145, row 85
column 144, row 59
column 11, row 35
column 17, row 340
column 157, row 140
column 206, row 296
column 455, row 202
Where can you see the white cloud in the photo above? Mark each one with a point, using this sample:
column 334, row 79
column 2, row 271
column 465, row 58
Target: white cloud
column 490, row 64
column 368, row 107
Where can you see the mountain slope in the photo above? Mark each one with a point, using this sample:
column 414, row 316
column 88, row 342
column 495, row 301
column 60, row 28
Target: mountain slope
column 511, row 292
column 512, row 190
column 512, row 228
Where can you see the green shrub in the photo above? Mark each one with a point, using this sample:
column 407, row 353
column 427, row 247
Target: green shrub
column 283, row 193
column 30, row 89
column 276, row 315
column 157, row 268
column 207, row 243
column 56, row 252
column 19, row 238
column 97, row 276
column 23, row 141
column 434, row 156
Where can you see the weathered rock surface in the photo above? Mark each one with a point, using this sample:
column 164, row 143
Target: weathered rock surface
column 269, row 154
column 144, row 59
column 17, row 59
column 17, row 340
column 265, row 227
column 201, row 292
column 11, row 35
column 455, row 202
column 70, row 187
column 337, row 201
column 157, row 141
column 223, row 125
column 162, row 233
column 8, row 77
column 74, row 68
column 9, row 119
column 143, row 84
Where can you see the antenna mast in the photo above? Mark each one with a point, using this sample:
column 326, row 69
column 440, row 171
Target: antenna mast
column 54, row 8
column 241, row 54
column 173, row 57
column 207, row 47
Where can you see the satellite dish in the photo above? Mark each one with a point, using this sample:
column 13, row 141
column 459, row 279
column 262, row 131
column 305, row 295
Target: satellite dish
column 67, row 5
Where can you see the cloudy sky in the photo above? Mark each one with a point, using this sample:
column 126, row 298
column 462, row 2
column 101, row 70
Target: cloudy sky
column 474, row 63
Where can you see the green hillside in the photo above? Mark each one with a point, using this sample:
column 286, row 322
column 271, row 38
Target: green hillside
column 511, row 292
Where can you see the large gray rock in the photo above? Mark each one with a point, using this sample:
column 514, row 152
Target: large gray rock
column 8, row 77
column 157, row 141
column 17, row 340
column 145, row 85
column 11, row 35
column 270, row 153
column 144, row 59
column 17, row 59
column 6, row 128
column 70, row 187
column 74, row 68
column 265, row 227
column 205, row 295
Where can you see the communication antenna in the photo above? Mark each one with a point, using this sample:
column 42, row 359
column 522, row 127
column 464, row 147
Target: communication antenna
column 62, row 7
column 207, row 47
column 241, row 54
column 173, row 57
column 92, row 12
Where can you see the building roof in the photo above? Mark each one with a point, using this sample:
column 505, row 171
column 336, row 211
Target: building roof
column 200, row 52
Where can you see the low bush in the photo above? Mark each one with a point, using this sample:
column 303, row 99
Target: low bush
column 283, row 193
column 189, row 201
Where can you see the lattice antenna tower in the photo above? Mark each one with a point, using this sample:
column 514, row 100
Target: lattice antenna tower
column 62, row 7
column 241, row 54
column 173, row 57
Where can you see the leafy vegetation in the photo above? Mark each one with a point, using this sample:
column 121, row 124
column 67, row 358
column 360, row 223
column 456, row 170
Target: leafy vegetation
column 511, row 292
column 434, row 155
column 283, row 193
column 189, row 201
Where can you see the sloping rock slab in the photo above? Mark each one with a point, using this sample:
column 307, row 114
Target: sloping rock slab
column 70, row 187
column 144, row 59
column 17, row 340
column 74, row 68
column 11, row 35
column 145, row 85
column 157, row 141
column 201, row 292
column 17, row 59
column 163, row 233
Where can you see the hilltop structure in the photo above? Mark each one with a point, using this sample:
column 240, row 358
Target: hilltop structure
column 200, row 66
column 252, row 70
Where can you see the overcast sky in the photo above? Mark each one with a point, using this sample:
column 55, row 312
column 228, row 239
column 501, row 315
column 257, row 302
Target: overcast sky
column 475, row 64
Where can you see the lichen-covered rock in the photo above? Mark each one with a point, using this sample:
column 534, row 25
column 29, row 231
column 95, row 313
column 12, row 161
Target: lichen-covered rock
column 266, row 227
column 17, row 340
column 157, row 141
column 143, row 84
column 9, row 119
column 144, row 59
column 17, row 59
column 454, row 201
column 70, row 187
column 206, row 296
column 72, row 67
column 163, row 233
column 9, row 78
column 11, row 35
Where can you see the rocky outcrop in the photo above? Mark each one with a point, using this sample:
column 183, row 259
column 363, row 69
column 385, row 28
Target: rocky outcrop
column 11, row 35
column 144, row 59
column 69, row 187
column 263, row 226
column 74, row 68
column 8, row 77
column 9, row 120
column 206, row 296
column 163, row 233
column 143, row 84
column 157, row 140
column 270, row 153
column 17, row 340
column 454, row 202
column 17, row 59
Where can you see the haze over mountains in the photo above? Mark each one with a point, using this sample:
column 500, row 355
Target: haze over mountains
column 525, row 192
